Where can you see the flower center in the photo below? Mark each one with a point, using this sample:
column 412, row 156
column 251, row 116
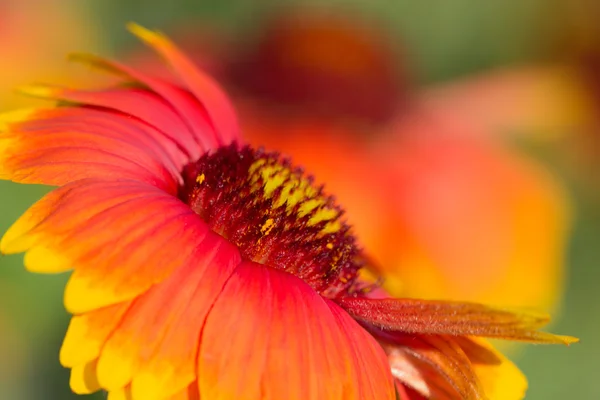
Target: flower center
column 275, row 215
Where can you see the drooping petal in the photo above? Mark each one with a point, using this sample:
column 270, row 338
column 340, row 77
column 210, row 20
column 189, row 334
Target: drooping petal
column 62, row 145
column 284, row 341
column 433, row 365
column 121, row 237
column 451, row 318
column 215, row 101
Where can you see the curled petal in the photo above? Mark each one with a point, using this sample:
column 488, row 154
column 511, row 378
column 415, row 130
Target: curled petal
column 451, row 318
column 284, row 341
column 433, row 365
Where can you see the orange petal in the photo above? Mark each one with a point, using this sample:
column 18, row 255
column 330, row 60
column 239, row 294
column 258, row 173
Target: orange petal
column 451, row 318
column 129, row 252
column 471, row 221
column 284, row 341
column 205, row 89
column 152, row 348
column 63, row 145
column 500, row 378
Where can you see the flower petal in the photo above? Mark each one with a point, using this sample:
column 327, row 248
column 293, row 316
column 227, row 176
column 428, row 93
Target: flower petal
column 500, row 378
column 205, row 89
column 433, row 365
column 87, row 334
column 154, row 348
column 451, row 318
column 190, row 110
column 284, row 341
column 146, row 349
column 140, row 235
column 170, row 131
column 84, row 379
column 62, row 145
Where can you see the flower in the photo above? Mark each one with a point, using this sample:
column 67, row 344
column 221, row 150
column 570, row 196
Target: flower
column 204, row 268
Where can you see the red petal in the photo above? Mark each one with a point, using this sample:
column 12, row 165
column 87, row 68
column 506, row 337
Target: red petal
column 170, row 130
column 62, row 145
column 283, row 341
column 190, row 110
column 201, row 85
column 451, row 318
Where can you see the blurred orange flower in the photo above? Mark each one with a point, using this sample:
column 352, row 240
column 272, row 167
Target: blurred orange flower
column 204, row 268
column 446, row 208
column 32, row 33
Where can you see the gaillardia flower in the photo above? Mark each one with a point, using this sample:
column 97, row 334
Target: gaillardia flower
column 207, row 269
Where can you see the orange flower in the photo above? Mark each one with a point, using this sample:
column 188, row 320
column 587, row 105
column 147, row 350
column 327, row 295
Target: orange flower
column 24, row 24
column 204, row 268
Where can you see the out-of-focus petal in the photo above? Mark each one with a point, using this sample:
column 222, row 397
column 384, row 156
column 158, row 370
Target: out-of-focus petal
column 216, row 103
column 539, row 102
column 60, row 26
column 302, row 348
column 471, row 220
column 451, row 318
column 500, row 378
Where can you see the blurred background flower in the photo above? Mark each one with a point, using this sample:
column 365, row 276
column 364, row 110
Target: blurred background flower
column 483, row 115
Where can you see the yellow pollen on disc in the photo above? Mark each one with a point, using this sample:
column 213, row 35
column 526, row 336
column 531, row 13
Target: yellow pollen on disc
column 275, row 215
column 296, row 192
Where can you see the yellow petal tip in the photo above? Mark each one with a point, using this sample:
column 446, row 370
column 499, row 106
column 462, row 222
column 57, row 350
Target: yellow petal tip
column 83, row 378
column 41, row 91
column 145, row 34
column 9, row 117
column 568, row 340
